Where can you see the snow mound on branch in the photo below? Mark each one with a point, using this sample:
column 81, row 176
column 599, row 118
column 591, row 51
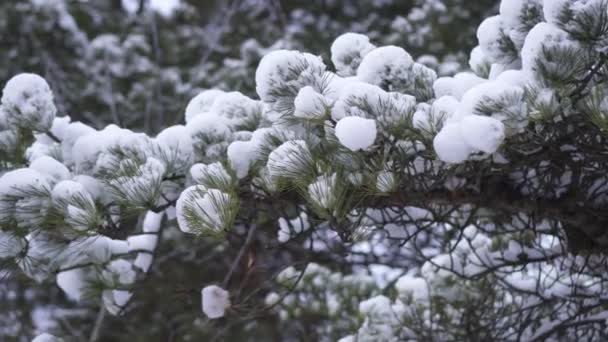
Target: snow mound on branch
column 241, row 155
column 385, row 63
column 215, row 301
column 309, row 104
column 552, row 9
column 456, row 86
column 489, row 34
column 541, row 36
column 482, row 133
column 51, row 167
column 201, row 103
column 283, row 68
column 457, row 141
column 356, row 133
column 28, row 102
column 450, row 145
column 348, row 50
column 291, row 159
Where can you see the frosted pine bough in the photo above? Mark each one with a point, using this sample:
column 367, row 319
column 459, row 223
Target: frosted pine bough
column 455, row 168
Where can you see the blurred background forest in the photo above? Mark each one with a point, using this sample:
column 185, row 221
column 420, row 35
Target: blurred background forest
column 129, row 64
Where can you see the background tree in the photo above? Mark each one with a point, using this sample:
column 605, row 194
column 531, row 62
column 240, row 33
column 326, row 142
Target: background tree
column 371, row 200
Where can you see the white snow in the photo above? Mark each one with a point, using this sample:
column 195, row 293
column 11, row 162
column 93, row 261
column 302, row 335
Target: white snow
column 208, row 205
column 215, row 301
column 293, row 227
column 482, row 133
column 121, row 297
column 385, row 63
column 290, row 159
column 119, row 272
column 152, row 222
column 456, row 86
column 207, row 174
column 142, row 242
column 46, row 338
column 541, row 36
column 208, row 125
column 175, row 147
column 241, row 155
column 274, row 71
column 73, row 283
column 309, row 104
column 49, row 166
column 414, row 286
column 201, row 103
column 347, row 51
column 28, row 102
column 489, row 35
column 184, row 201
column 552, row 9
column 322, row 191
column 356, row 133
column 450, row 145
column 478, row 60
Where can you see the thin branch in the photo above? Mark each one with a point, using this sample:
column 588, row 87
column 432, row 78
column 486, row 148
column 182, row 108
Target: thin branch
column 236, row 261
column 98, row 323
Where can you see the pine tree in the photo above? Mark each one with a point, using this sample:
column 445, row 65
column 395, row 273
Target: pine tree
column 373, row 198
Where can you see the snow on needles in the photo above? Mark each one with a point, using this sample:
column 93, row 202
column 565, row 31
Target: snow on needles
column 28, row 102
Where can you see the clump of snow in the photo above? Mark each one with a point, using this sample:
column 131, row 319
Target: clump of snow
column 478, row 61
column 119, row 272
column 201, row 103
column 141, row 183
column 356, row 133
column 430, row 119
column 26, row 210
column 309, row 104
column 241, row 155
column 74, row 282
column 295, row 226
column 482, row 133
column 175, row 148
column 553, row 9
column 291, row 159
column 152, row 222
column 202, row 210
column 357, row 99
column 210, row 125
column 212, row 175
column 51, row 167
column 215, row 301
column 283, row 69
column 498, row 99
column 348, row 50
column 489, row 34
column 322, row 192
column 458, row 140
column 384, row 64
column 541, row 36
column 28, row 102
column 416, row 287
column 450, row 145
column 456, row 86
column 235, row 107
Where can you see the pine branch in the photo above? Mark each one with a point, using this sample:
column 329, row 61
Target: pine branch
column 578, row 94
